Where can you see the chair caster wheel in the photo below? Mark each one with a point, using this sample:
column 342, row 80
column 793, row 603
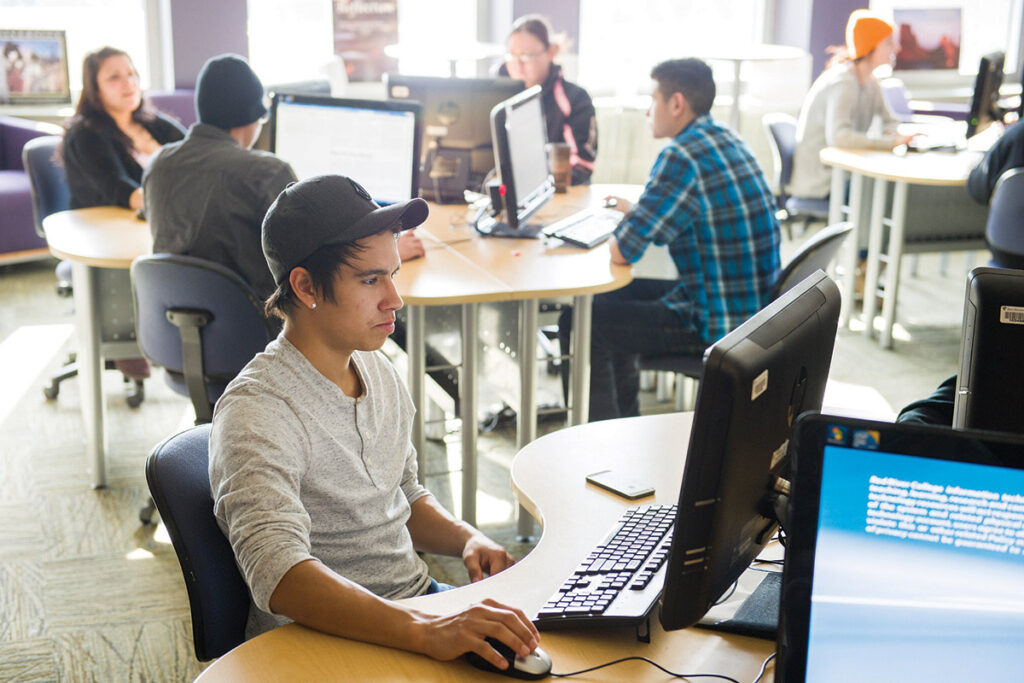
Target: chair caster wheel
column 146, row 513
column 51, row 392
column 134, row 399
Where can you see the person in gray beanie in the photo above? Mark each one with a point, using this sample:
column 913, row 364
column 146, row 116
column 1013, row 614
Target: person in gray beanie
column 206, row 196
column 312, row 469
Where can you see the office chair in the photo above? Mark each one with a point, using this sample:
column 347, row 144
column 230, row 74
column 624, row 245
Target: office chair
column 198, row 320
column 815, row 254
column 781, row 131
column 1004, row 229
column 50, row 194
column 179, row 481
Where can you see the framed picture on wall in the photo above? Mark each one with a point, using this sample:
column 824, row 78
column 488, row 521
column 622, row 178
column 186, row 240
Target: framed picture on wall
column 33, row 67
column 928, row 38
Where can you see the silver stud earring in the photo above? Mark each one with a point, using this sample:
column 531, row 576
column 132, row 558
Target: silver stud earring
column 313, row 305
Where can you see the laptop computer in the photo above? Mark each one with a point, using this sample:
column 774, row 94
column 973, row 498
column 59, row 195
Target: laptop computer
column 990, row 382
column 904, row 557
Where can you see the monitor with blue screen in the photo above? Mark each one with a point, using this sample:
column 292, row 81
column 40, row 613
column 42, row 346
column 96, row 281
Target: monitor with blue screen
column 905, row 555
column 375, row 142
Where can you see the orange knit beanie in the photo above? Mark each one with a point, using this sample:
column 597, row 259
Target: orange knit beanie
column 864, row 31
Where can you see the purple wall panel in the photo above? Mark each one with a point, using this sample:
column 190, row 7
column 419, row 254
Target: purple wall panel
column 201, row 29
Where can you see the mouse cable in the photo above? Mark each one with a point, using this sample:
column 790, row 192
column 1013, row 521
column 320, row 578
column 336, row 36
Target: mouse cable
column 649, row 661
column 764, row 667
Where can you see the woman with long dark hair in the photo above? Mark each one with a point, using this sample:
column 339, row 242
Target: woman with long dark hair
column 113, row 135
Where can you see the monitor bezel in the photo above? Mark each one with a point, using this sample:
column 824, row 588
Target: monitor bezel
column 735, row 454
column 809, row 437
column 50, row 97
column 514, row 217
column 415, row 108
column 986, row 87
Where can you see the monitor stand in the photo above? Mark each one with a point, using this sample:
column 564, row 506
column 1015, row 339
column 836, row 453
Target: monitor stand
column 750, row 614
column 489, row 226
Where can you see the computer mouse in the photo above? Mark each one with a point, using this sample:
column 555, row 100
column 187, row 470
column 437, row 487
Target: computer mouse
column 532, row 667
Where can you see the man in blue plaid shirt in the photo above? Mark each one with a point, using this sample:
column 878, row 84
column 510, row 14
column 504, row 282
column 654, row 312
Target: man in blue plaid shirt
column 708, row 201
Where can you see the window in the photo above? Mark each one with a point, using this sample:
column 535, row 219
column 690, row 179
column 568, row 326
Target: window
column 90, row 25
column 620, row 42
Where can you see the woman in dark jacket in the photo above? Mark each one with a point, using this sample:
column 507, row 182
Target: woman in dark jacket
column 568, row 110
column 113, row 134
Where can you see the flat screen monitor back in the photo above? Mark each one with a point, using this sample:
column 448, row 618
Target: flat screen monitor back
column 456, row 118
column 525, row 183
column 375, row 142
column 757, row 379
column 985, row 99
column 990, row 383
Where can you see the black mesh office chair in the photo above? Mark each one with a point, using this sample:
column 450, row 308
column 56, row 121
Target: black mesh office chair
column 179, row 481
column 1004, row 229
column 781, row 131
column 815, row 254
column 50, row 194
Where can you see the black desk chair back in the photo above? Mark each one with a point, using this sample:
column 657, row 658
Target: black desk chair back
column 781, row 131
column 198, row 320
column 179, row 481
column 816, row 254
column 1004, row 230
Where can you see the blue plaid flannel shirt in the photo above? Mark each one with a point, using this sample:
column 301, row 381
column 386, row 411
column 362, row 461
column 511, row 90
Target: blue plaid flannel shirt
column 708, row 200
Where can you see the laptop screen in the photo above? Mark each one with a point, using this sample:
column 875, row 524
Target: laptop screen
column 917, row 561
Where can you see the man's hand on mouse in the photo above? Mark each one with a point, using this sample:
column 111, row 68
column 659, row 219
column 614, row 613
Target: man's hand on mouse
column 484, row 557
column 410, row 246
column 617, row 203
column 447, row 637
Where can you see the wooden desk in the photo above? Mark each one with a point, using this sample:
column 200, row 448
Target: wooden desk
column 460, row 268
column 465, row 269
column 100, row 242
column 935, row 169
column 548, row 477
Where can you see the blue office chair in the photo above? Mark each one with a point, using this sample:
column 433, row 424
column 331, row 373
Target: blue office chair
column 198, row 320
column 50, row 194
column 781, row 131
column 816, row 253
column 179, row 481
column 1004, row 230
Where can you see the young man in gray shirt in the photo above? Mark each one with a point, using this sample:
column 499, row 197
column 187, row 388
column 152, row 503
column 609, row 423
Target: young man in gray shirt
column 312, row 470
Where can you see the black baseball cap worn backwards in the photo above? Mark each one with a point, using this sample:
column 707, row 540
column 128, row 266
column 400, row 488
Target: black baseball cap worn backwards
column 327, row 209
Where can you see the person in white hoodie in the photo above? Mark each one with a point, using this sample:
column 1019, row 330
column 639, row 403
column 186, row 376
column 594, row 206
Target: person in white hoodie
column 843, row 103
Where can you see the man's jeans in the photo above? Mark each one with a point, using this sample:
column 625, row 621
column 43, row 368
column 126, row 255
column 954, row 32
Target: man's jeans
column 627, row 323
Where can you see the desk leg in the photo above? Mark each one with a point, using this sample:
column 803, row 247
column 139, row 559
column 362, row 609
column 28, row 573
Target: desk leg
column 526, row 422
column 467, row 410
column 851, row 246
column 90, row 368
column 579, row 393
column 892, row 279
column 874, row 264
column 415, row 349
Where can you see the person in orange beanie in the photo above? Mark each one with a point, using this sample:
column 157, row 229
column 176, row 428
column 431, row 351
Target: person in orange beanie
column 843, row 103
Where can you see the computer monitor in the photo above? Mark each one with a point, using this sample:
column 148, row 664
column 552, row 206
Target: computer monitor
column 756, row 380
column 524, row 183
column 985, row 100
column 457, row 150
column 989, row 384
column 33, row 67
column 375, row 142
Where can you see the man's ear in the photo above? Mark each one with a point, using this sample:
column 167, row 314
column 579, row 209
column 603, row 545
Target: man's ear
column 302, row 285
column 678, row 105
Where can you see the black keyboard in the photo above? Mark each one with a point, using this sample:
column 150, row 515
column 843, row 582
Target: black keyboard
column 620, row 581
column 586, row 228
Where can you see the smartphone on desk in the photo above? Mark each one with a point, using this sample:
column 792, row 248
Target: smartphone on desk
column 621, row 484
